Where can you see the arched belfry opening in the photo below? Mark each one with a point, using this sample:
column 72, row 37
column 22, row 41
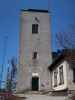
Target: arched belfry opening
column 35, row 82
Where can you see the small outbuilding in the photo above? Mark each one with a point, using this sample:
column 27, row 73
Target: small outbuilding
column 62, row 72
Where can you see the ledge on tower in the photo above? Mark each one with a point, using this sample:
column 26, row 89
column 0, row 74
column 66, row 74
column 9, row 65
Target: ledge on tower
column 35, row 10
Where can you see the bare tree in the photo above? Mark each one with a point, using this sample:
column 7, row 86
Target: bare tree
column 14, row 66
column 13, row 71
column 11, row 75
column 66, row 40
column 9, row 81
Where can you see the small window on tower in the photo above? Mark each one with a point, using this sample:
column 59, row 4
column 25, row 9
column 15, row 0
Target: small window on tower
column 34, row 28
column 35, row 55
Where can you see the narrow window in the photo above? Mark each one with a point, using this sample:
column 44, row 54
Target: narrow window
column 73, row 67
column 74, row 75
column 34, row 28
column 34, row 55
column 55, row 78
column 61, row 75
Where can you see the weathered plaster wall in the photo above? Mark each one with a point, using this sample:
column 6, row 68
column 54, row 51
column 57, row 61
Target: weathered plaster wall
column 28, row 43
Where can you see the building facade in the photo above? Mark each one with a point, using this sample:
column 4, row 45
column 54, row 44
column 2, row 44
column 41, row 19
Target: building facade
column 62, row 72
column 35, row 50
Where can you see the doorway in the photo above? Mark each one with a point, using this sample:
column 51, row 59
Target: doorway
column 35, row 83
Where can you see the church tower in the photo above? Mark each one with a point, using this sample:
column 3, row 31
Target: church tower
column 35, row 50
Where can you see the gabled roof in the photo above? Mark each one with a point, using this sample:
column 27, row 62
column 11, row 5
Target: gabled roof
column 65, row 54
column 56, row 61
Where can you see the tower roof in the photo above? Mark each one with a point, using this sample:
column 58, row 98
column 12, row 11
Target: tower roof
column 35, row 10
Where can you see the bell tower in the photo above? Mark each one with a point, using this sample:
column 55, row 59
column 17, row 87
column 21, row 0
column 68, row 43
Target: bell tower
column 35, row 50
